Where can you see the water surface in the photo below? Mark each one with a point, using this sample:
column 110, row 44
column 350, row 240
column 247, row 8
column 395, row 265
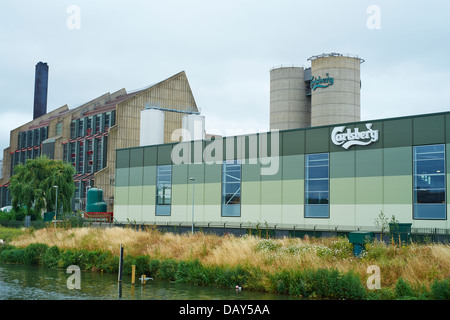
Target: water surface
column 26, row 282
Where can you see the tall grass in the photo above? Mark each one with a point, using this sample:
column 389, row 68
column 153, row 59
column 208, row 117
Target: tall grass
column 418, row 265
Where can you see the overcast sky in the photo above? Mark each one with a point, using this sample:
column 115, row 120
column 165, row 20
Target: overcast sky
column 226, row 48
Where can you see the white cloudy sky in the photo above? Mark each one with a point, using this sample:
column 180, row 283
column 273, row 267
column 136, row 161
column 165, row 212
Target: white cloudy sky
column 226, row 48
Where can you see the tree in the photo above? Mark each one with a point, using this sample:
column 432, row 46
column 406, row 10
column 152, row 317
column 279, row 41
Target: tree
column 32, row 185
column 382, row 222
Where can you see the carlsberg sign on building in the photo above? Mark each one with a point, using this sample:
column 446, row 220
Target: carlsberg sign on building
column 347, row 138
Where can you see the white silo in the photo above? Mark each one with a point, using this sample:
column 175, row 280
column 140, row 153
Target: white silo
column 152, row 127
column 193, row 127
column 289, row 103
column 335, row 89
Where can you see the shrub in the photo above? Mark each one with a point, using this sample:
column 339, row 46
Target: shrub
column 403, row 290
column 440, row 289
column 325, row 283
column 107, row 262
column 381, row 294
column 229, row 277
column 153, row 266
column 51, row 257
column 34, row 253
column 167, row 269
column 142, row 265
column 13, row 255
column 191, row 272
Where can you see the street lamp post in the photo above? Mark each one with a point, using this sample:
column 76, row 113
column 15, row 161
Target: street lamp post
column 193, row 193
column 56, row 203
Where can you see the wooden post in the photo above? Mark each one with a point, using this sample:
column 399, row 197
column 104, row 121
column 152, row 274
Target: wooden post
column 133, row 272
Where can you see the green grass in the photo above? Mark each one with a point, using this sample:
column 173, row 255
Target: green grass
column 9, row 234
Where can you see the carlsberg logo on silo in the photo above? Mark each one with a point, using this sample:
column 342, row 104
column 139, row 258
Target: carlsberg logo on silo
column 349, row 138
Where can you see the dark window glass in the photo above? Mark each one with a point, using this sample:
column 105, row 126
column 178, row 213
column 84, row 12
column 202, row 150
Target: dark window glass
column 317, row 184
column 429, row 182
column 163, row 189
column 231, row 188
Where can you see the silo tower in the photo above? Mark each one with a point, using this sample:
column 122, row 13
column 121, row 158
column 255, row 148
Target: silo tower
column 290, row 107
column 335, row 89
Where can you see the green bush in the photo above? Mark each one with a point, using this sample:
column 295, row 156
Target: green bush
column 107, row 262
column 167, row 269
column 34, row 253
column 440, row 289
column 153, row 266
column 51, row 257
column 403, row 290
column 13, row 255
column 324, row 283
column 381, row 294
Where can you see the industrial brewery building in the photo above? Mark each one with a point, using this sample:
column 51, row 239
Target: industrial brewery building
column 319, row 167
column 88, row 135
column 333, row 177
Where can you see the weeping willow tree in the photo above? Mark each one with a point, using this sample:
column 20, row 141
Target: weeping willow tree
column 32, row 185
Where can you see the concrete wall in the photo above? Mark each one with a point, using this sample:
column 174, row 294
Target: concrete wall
column 339, row 102
column 289, row 104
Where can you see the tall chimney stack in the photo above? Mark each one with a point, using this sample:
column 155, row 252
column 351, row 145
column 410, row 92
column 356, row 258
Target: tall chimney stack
column 40, row 90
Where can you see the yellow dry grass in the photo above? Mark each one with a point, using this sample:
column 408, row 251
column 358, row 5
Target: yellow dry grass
column 418, row 264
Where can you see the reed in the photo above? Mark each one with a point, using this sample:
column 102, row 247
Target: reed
column 419, row 265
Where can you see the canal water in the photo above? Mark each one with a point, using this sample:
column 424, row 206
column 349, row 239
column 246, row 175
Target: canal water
column 29, row 282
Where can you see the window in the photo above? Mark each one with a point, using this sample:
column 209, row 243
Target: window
column 231, row 188
column 90, row 157
column 99, row 154
column 73, row 132
column 80, row 127
column 98, row 119
column 73, row 153
column 30, row 138
column 89, row 126
column 113, row 118
column 59, row 128
column 36, row 137
column 163, row 190
column 81, row 157
column 65, row 152
column 429, row 182
column 107, row 121
column 317, row 186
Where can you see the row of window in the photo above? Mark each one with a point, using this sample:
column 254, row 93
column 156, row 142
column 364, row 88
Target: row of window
column 428, row 188
column 87, row 155
column 32, row 138
column 92, row 125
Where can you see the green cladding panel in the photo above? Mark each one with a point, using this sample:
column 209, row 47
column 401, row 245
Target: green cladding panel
column 293, row 142
column 150, row 156
column 149, row 176
column 369, row 163
column 397, row 133
column 136, row 176
column 317, row 140
column 123, row 158
column 164, row 154
column 429, row 130
column 136, row 157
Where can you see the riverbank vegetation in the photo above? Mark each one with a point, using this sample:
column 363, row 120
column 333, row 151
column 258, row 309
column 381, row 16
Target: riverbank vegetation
column 307, row 267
